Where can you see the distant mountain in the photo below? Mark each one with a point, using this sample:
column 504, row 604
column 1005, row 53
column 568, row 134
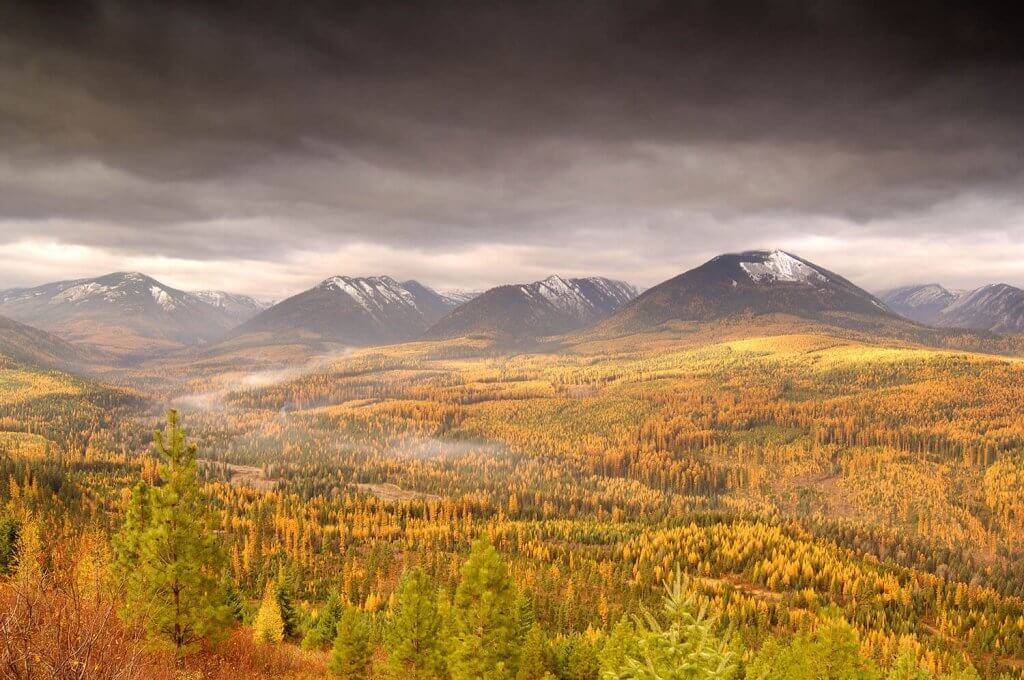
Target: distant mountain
column 353, row 311
column 460, row 296
column 549, row 307
column 997, row 307
column 239, row 308
column 125, row 313
column 921, row 303
column 755, row 282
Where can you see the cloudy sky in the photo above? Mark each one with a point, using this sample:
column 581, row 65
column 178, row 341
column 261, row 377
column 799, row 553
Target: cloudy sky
column 262, row 146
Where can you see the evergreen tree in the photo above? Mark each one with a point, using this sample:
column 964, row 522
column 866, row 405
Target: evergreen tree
column 684, row 648
column 620, row 644
column 413, row 636
column 576, row 659
column 485, row 642
column 232, row 598
column 535, row 655
column 350, row 656
column 168, row 552
column 137, row 520
column 8, row 544
column 285, row 603
column 832, row 652
column 526, row 617
column 268, row 626
column 325, row 625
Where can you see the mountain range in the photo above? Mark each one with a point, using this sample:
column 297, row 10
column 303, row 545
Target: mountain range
column 128, row 315
column 996, row 307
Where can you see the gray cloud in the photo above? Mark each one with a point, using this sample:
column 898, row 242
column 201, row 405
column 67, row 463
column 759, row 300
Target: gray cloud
column 632, row 139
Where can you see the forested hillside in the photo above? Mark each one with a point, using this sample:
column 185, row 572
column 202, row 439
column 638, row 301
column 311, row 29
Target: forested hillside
column 438, row 510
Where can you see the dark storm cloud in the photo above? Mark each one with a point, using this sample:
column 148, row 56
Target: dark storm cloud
column 135, row 126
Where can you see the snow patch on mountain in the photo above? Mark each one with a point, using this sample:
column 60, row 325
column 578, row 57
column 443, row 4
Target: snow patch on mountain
column 781, row 266
column 79, row 292
column 165, row 301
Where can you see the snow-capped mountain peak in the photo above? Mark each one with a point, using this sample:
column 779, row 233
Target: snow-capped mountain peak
column 355, row 310
column 372, row 293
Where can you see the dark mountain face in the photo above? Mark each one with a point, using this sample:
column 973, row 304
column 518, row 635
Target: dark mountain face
column 353, row 311
column 239, row 308
column 751, row 283
column 123, row 313
column 996, row 307
column 549, row 307
column 922, row 303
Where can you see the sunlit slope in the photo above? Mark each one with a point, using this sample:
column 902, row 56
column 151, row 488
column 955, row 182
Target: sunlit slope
column 806, row 424
column 66, row 409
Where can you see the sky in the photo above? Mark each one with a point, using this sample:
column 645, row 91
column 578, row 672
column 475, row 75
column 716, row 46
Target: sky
column 260, row 147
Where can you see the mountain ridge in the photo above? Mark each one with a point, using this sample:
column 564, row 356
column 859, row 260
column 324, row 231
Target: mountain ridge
column 352, row 310
column 124, row 313
column 551, row 306
column 996, row 307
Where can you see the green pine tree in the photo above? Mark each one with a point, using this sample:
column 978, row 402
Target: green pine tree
column 534, row 659
column 832, row 652
column 526, row 617
column 287, row 606
column 413, row 636
column 620, row 644
column 350, row 656
column 232, row 598
column 684, row 647
column 8, row 544
column 325, row 625
column 485, row 634
column 577, row 659
column 168, row 552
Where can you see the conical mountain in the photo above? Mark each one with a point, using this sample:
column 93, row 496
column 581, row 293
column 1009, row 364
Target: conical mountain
column 755, row 282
